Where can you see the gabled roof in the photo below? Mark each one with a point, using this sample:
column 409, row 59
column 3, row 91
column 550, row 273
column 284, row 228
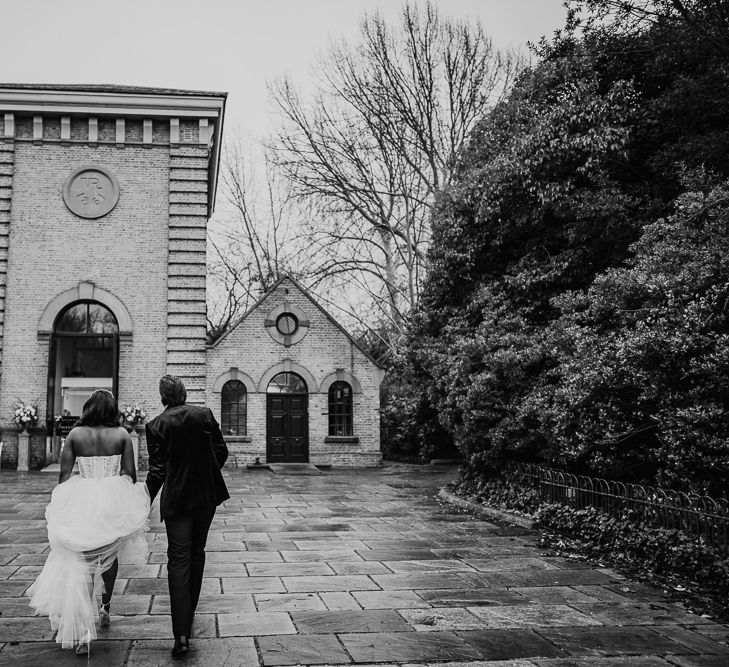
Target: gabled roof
column 308, row 295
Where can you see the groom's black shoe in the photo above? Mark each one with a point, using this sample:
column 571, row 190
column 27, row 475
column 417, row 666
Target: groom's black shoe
column 181, row 647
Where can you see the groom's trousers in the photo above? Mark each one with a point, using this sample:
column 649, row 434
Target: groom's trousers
column 186, row 538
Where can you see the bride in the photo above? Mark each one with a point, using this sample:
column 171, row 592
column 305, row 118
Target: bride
column 94, row 520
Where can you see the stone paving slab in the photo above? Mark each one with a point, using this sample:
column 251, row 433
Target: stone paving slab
column 288, row 602
column 338, row 622
column 465, row 597
column 356, row 567
column 532, row 616
column 40, row 653
column 252, row 624
column 699, row 661
column 389, row 599
column 631, row 661
column 445, row 618
column 507, row 644
column 407, row 647
column 221, row 652
column 602, row 641
column 339, row 600
column 302, row 650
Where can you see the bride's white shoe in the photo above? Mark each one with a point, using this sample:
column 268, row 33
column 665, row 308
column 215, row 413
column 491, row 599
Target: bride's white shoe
column 84, row 646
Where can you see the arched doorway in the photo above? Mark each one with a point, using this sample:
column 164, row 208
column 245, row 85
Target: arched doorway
column 287, row 419
column 84, row 356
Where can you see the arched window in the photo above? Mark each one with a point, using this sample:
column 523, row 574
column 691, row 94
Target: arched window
column 233, row 408
column 84, row 356
column 340, row 409
column 286, row 383
column 86, row 318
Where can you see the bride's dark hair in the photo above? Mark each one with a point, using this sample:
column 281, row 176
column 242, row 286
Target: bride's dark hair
column 100, row 410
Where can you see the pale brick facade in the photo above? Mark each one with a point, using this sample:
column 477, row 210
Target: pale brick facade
column 252, row 353
column 144, row 260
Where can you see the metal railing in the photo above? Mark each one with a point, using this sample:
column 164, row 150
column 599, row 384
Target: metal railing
column 698, row 516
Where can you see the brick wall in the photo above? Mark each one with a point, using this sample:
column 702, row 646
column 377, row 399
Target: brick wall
column 148, row 252
column 325, row 348
column 186, row 324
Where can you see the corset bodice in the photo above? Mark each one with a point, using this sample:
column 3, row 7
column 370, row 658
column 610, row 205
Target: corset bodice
column 99, row 466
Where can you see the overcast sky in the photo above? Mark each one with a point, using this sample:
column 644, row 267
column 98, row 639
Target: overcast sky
column 223, row 45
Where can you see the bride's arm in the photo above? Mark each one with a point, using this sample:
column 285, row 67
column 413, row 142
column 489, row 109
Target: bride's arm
column 127, row 460
column 68, row 458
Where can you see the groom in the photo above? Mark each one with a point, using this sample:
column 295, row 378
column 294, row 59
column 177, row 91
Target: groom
column 186, row 452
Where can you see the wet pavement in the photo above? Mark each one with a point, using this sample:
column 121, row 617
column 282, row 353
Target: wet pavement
column 360, row 567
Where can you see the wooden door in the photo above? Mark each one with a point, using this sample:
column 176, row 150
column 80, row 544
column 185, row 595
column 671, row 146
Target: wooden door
column 287, row 431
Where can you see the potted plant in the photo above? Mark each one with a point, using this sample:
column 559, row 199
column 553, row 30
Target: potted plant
column 134, row 416
column 25, row 415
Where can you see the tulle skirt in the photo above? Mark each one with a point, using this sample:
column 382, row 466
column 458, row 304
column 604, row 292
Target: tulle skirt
column 91, row 522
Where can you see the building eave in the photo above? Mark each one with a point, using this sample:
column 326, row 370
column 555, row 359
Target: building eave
column 123, row 101
column 111, row 101
column 316, row 304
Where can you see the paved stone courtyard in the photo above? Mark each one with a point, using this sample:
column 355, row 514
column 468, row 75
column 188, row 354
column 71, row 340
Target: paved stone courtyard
column 355, row 567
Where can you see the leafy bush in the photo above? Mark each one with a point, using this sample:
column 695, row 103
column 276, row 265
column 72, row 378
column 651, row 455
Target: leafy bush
column 699, row 570
column 507, row 491
column 410, row 427
column 410, row 430
column 657, row 554
column 578, row 288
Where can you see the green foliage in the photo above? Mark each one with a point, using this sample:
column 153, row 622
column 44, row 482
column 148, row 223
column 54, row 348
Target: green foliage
column 578, row 286
column 665, row 557
column 505, row 490
column 534, row 204
column 410, row 430
column 655, row 553
column 649, row 342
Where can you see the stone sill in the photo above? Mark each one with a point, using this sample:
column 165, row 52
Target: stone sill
column 341, row 439
column 237, row 438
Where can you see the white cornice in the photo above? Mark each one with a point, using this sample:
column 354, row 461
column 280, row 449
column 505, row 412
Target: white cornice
column 110, row 104
column 124, row 104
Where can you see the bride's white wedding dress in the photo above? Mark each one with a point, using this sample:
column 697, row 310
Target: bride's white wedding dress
column 93, row 518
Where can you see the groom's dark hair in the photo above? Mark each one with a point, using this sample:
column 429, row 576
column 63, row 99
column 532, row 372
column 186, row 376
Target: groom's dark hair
column 172, row 391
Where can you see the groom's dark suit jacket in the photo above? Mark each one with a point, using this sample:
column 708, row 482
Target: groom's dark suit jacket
column 186, row 452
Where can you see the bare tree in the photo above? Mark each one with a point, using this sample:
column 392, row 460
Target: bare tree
column 253, row 242
column 707, row 19
column 368, row 151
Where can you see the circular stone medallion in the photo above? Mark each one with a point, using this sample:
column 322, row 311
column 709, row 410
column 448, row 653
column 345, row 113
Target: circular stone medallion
column 91, row 192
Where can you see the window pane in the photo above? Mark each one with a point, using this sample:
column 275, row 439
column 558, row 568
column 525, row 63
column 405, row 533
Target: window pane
column 233, row 408
column 287, row 324
column 101, row 320
column 87, row 317
column 73, row 320
column 340, row 409
column 286, row 383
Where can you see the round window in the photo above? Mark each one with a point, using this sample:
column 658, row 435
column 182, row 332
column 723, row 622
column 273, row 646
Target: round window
column 287, row 324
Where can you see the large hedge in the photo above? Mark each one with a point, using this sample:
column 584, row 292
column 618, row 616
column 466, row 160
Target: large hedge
column 578, row 283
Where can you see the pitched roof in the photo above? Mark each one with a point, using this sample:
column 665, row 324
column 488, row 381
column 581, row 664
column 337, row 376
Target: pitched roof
column 308, row 295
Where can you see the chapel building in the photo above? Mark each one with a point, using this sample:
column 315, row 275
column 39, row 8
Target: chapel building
column 105, row 196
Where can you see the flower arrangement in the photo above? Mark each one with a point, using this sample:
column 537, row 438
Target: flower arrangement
column 25, row 414
column 134, row 414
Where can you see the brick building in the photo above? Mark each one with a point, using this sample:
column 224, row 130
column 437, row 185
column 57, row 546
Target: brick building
column 105, row 195
column 291, row 385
